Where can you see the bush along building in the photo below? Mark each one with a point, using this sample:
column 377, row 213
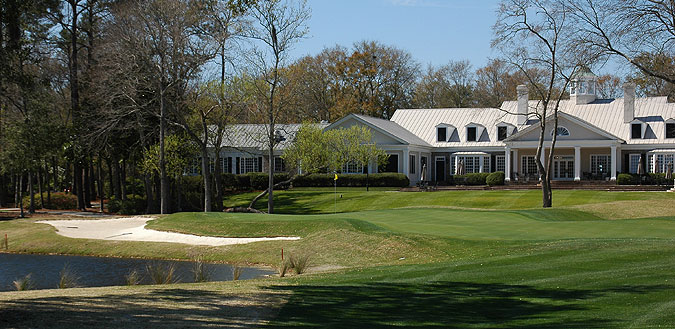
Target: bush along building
column 596, row 138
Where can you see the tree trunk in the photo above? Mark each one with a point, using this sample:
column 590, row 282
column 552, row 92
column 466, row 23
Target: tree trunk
column 123, row 180
column 31, row 206
column 116, row 180
column 86, row 191
column 111, row 178
column 21, row 195
column 100, row 183
column 55, row 174
column 49, row 186
column 39, row 183
column 16, row 190
column 218, row 181
column 150, row 201
column 164, row 182
column 78, row 186
column 206, row 175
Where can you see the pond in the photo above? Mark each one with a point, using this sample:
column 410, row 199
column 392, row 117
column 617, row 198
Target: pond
column 103, row 271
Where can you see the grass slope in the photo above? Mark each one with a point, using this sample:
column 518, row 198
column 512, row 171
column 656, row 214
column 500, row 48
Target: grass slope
column 447, row 259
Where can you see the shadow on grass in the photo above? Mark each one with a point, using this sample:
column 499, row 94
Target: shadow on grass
column 441, row 304
column 173, row 308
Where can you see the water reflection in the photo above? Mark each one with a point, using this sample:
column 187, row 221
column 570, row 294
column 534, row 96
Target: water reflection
column 101, row 271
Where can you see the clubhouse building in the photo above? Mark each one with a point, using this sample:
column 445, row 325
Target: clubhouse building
column 596, row 138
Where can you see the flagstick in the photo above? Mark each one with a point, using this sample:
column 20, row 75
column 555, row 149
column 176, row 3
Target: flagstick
column 335, row 183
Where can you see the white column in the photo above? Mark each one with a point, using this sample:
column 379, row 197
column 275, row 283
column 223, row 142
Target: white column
column 507, row 164
column 406, row 162
column 613, row 166
column 654, row 163
column 516, row 162
column 482, row 163
column 577, row 163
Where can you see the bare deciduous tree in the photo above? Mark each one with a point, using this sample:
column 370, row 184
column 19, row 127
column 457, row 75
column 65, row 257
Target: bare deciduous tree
column 280, row 24
column 533, row 35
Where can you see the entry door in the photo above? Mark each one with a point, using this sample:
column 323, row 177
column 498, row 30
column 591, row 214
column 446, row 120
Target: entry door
column 440, row 169
column 563, row 167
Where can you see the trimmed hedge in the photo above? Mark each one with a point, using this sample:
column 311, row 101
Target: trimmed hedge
column 353, row 180
column 260, row 181
column 495, row 178
column 471, row 179
column 648, row 179
column 59, row 201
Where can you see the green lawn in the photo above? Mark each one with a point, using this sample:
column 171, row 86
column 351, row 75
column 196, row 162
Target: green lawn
column 483, row 259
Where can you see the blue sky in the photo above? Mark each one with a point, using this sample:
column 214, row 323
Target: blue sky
column 433, row 31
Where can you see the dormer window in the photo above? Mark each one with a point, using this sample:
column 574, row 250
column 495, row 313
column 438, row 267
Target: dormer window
column 636, row 130
column 504, row 130
column 474, row 131
column 442, row 134
column 670, row 128
column 471, row 134
column 502, row 133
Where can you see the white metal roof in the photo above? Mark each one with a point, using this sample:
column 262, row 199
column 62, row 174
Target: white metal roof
column 254, row 136
column 608, row 116
column 604, row 114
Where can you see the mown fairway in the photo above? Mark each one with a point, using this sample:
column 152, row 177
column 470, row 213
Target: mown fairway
column 443, row 259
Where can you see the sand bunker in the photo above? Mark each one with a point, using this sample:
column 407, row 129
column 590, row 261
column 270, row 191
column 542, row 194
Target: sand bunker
column 133, row 229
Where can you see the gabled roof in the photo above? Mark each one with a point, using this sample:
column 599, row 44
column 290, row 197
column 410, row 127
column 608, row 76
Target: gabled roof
column 422, row 123
column 571, row 118
column 254, row 136
column 607, row 114
column 386, row 127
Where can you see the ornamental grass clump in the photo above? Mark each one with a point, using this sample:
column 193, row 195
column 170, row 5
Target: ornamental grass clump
column 133, row 278
column 236, row 272
column 162, row 274
column 67, row 278
column 283, row 268
column 25, row 283
column 199, row 270
column 299, row 264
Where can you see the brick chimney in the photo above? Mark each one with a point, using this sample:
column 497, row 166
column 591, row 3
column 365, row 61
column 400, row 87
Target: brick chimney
column 523, row 98
column 628, row 102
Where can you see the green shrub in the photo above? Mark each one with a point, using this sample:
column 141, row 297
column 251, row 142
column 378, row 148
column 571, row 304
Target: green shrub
column 135, row 186
column 260, row 181
column 626, row 179
column 133, row 205
column 59, row 200
column 471, row 179
column 495, row 178
column 658, row 179
column 228, row 180
column 243, row 182
column 353, row 180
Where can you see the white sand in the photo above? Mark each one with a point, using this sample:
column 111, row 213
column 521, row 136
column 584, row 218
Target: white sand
column 133, row 229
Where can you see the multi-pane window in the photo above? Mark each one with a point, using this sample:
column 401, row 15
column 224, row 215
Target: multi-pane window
column 663, row 161
column 529, row 165
column 412, row 164
column 634, row 161
column 670, row 130
column 279, row 164
column 500, row 163
column 636, row 130
column 352, row 167
column 471, row 163
column 486, row 164
column 600, row 164
column 502, row 133
column 442, row 134
column 471, row 134
column 249, row 165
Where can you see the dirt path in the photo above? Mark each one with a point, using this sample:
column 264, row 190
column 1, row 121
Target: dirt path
column 133, row 229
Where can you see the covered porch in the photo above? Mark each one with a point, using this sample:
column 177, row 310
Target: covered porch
column 590, row 161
